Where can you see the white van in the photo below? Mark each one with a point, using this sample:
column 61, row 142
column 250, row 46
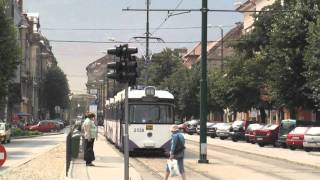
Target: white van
column 5, row 133
column 312, row 139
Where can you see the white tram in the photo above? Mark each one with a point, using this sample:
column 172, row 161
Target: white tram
column 151, row 114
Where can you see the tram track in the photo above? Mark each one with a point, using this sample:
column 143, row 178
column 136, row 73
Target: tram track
column 252, row 156
column 276, row 173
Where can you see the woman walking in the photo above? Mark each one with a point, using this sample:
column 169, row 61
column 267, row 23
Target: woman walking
column 90, row 133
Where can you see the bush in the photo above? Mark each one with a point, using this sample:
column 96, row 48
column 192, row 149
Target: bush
column 20, row 132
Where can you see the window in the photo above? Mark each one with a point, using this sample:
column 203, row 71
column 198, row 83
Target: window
column 299, row 130
column 271, row 126
column 158, row 114
column 314, row 131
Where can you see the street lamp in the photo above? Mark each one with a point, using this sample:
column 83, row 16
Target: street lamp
column 222, row 42
column 221, row 33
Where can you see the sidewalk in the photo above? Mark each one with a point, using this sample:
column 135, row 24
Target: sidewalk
column 108, row 164
column 298, row 156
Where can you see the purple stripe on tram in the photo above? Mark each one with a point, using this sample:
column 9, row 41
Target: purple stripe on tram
column 132, row 145
column 166, row 146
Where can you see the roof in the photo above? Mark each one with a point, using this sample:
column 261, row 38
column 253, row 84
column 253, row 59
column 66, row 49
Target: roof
column 244, row 6
column 196, row 51
column 103, row 60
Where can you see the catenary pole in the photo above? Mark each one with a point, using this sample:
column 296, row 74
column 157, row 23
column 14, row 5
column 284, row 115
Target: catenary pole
column 203, row 85
column 147, row 43
column 126, row 135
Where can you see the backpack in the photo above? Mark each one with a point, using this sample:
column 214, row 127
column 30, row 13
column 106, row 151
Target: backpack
column 179, row 146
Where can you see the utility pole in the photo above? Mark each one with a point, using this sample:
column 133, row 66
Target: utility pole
column 126, row 134
column 147, row 33
column 203, row 85
column 147, row 43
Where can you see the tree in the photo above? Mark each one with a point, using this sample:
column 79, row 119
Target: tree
column 161, row 67
column 286, row 51
column 276, row 47
column 312, row 62
column 56, row 90
column 9, row 50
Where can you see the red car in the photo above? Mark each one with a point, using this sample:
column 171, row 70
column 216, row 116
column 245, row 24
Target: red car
column 44, row 126
column 267, row 135
column 295, row 137
column 250, row 135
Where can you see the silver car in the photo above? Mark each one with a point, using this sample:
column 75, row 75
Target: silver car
column 312, row 139
column 223, row 130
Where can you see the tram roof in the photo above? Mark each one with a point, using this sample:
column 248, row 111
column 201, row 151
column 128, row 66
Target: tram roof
column 138, row 94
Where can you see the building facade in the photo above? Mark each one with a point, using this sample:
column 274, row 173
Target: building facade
column 25, row 97
column 98, row 84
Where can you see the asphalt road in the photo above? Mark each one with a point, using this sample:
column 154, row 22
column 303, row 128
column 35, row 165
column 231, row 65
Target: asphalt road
column 228, row 164
column 20, row 151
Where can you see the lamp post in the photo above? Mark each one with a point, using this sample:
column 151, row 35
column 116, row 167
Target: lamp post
column 222, row 43
column 222, row 48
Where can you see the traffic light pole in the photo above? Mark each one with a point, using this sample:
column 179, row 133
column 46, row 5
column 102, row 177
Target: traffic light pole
column 203, row 85
column 126, row 134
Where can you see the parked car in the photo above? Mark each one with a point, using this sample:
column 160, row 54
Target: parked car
column 295, row 137
column 182, row 127
column 210, row 129
column 312, row 139
column 223, row 130
column 44, row 126
column 267, row 135
column 192, row 126
column 238, row 128
column 288, row 125
column 250, row 134
column 59, row 124
column 5, row 133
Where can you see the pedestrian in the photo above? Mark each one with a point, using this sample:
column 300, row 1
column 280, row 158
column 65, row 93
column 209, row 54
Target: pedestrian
column 90, row 135
column 177, row 151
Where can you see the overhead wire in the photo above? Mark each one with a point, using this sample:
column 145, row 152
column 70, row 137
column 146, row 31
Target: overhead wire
column 124, row 29
column 128, row 42
column 168, row 16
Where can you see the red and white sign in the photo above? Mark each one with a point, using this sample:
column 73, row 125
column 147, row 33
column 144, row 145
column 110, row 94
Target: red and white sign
column 3, row 155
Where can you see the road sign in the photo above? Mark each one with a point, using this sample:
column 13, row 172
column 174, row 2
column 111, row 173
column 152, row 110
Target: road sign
column 3, row 155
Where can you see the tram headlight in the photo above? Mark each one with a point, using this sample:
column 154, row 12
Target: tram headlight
column 150, row 91
column 149, row 134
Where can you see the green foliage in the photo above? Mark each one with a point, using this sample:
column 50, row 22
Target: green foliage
column 19, row 132
column 9, row 50
column 161, row 67
column 271, row 58
column 312, row 62
column 56, row 90
column 184, row 84
column 167, row 72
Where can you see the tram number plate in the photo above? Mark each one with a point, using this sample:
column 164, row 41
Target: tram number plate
column 149, row 127
column 138, row 130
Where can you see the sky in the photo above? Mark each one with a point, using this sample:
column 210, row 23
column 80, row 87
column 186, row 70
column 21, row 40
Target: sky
column 62, row 19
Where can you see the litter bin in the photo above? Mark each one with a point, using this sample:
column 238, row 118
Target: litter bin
column 75, row 144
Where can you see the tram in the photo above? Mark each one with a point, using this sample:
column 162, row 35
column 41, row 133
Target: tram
column 151, row 114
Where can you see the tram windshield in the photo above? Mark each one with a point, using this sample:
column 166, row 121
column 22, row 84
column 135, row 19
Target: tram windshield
column 155, row 114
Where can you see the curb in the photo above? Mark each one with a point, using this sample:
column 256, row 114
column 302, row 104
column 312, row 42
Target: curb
column 32, row 136
column 266, row 156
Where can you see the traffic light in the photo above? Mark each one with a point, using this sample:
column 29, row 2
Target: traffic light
column 131, row 65
column 132, row 73
column 124, row 68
